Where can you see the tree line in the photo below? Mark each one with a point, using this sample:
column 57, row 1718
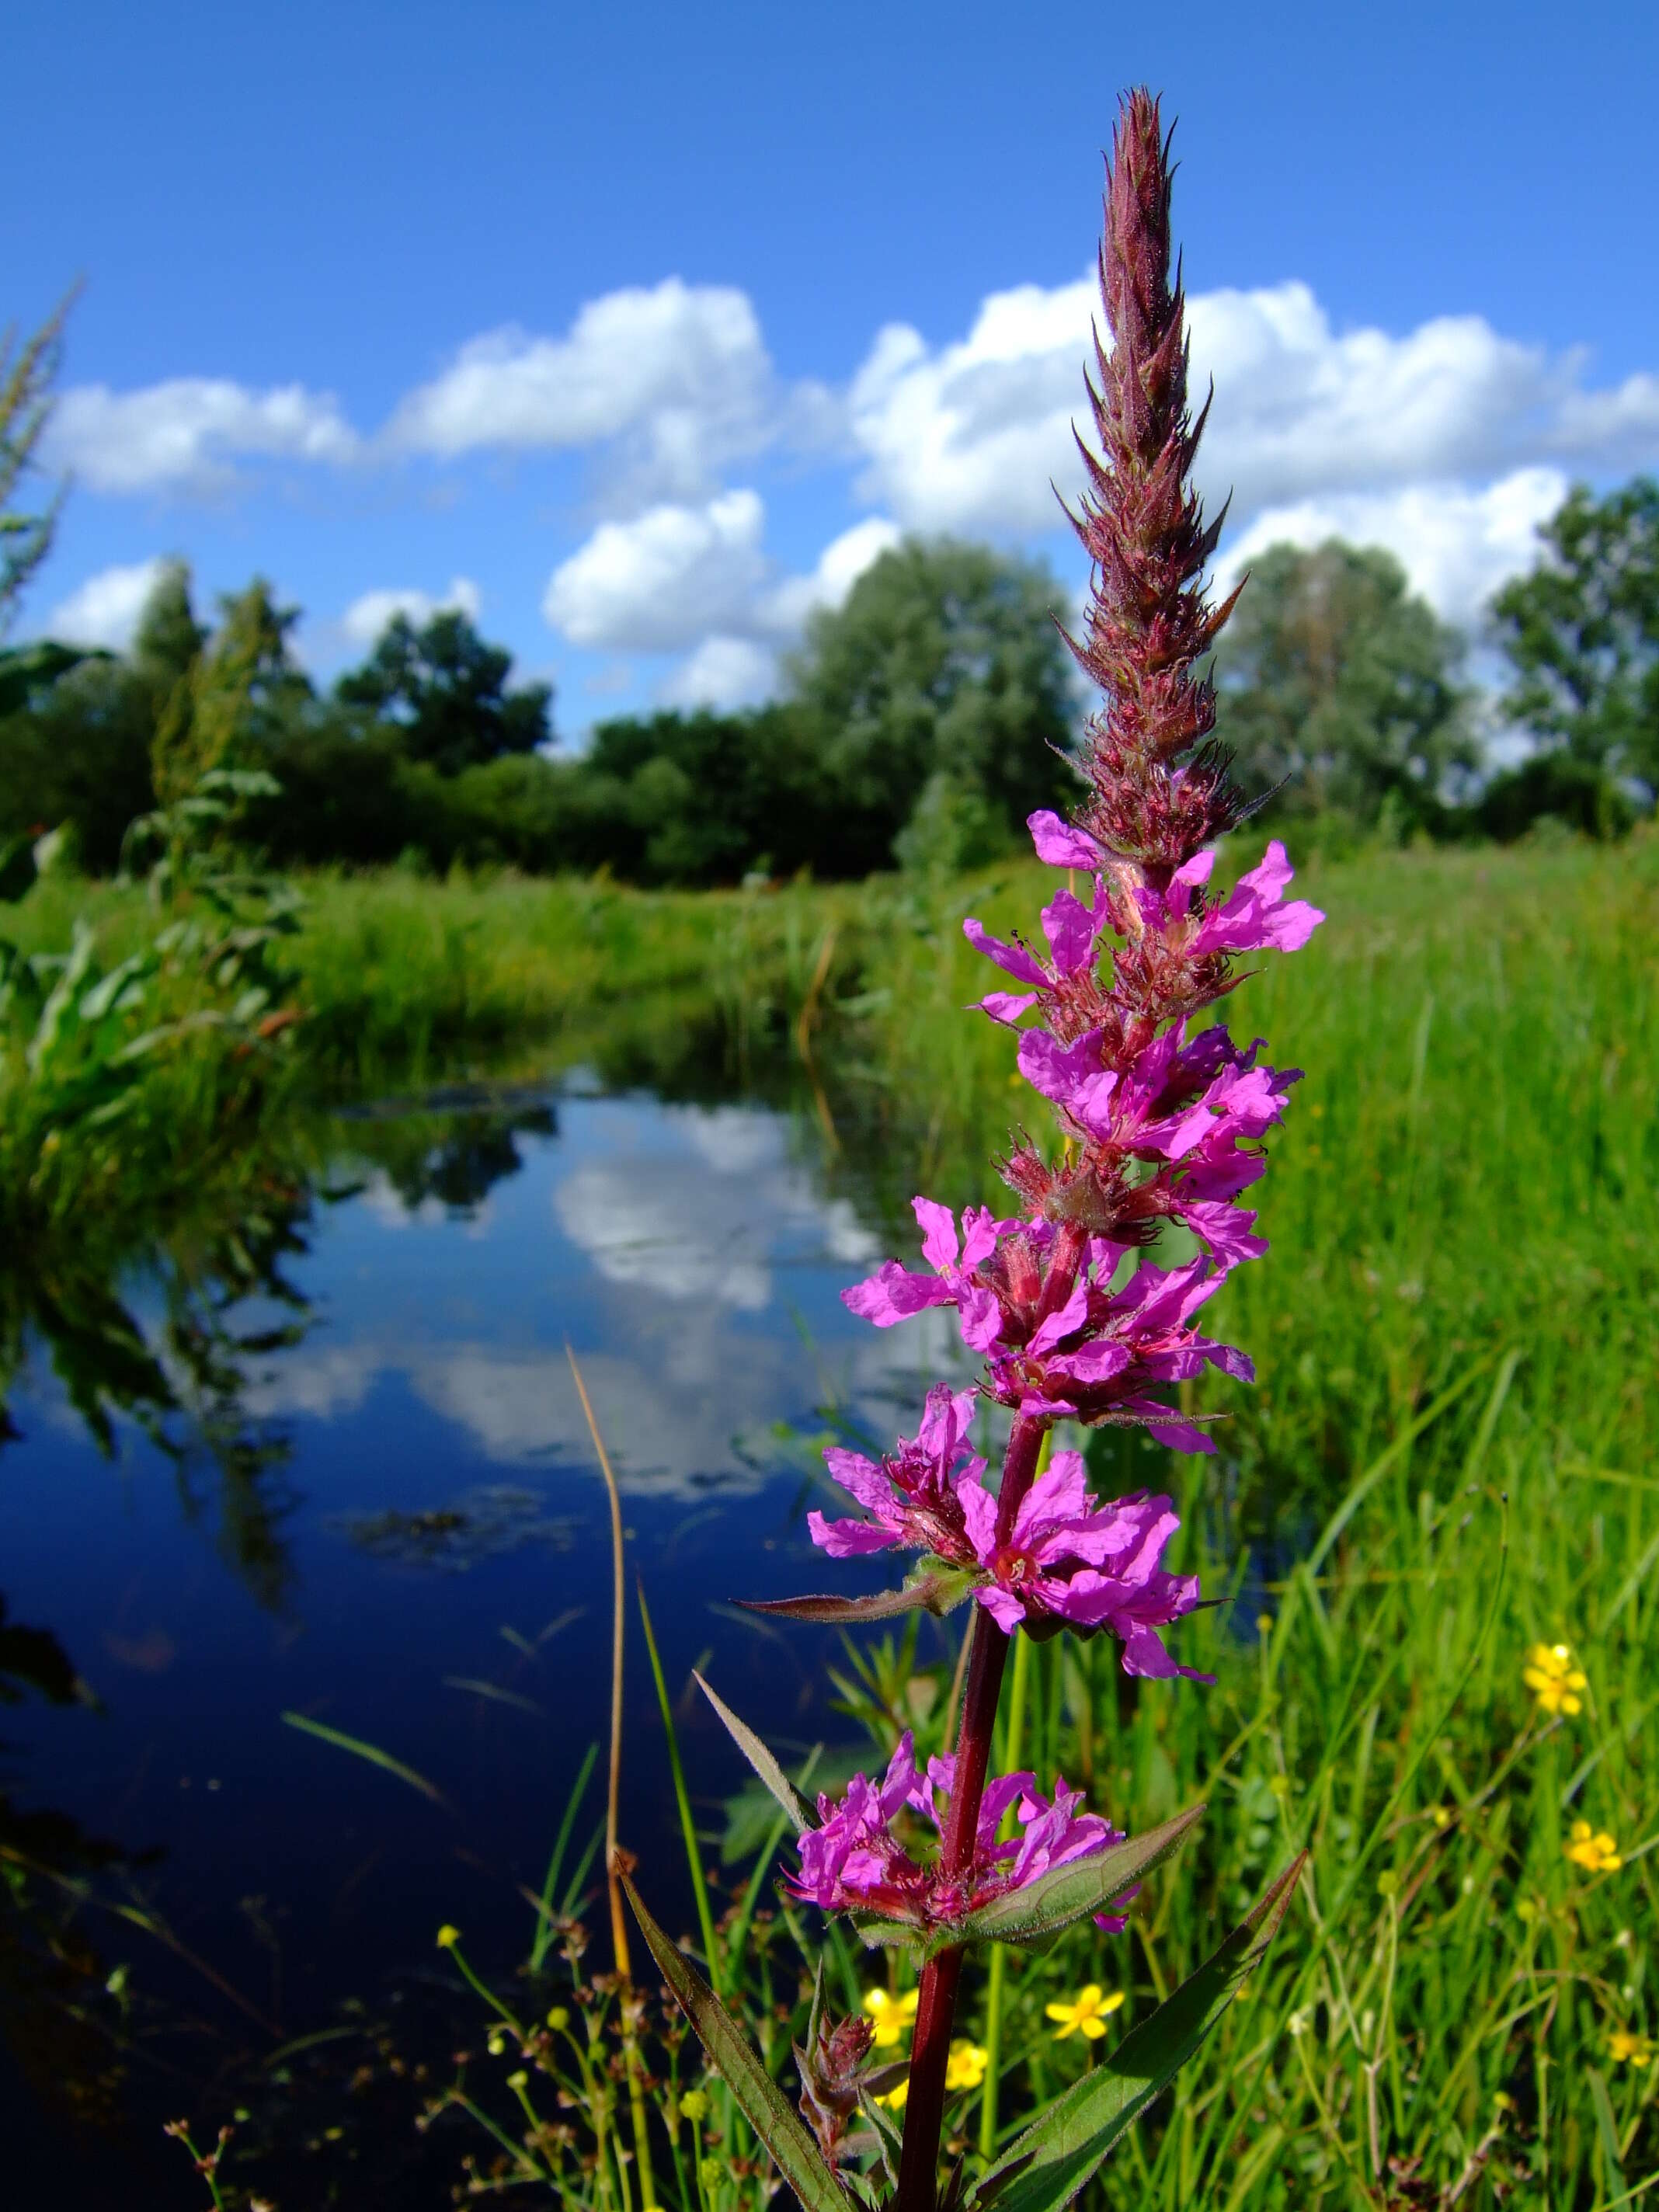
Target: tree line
column 920, row 722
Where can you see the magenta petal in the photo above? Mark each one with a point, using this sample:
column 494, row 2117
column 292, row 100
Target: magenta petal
column 1071, row 928
column 893, row 1294
column 1057, row 1070
column 980, row 1231
column 1003, row 1608
column 1007, row 1006
column 848, row 1540
column 1059, row 844
column 939, row 1233
column 1017, row 962
column 980, row 1318
column 1070, row 1318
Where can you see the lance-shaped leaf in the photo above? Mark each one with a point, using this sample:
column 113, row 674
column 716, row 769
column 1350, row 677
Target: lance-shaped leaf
column 764, row 2105
column 760, row 1759
column 1037, row 1911
column 1065, row 2146
column 936, row 1589
column 1034, row 1914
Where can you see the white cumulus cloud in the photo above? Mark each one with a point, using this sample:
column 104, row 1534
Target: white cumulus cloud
column 184, row 434
column 679, row 369
column 1455, row 546
column 839, row 565
column 665, row 579
column 967, row 435
column 699, row 576
column 724, row 673
column 369, row 615
column 105, row 610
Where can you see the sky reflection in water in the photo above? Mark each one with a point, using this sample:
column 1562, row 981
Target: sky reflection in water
column 437, row 1523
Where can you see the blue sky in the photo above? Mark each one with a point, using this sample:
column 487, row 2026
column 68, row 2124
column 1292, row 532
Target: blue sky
column 641, row 329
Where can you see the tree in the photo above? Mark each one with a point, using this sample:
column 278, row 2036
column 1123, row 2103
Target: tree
column 944, row 661
column 1582, row 632
column 445, row 691
column 1337, row 691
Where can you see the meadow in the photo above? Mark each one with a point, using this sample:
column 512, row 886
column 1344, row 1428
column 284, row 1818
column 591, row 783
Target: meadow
column 1449, row 1461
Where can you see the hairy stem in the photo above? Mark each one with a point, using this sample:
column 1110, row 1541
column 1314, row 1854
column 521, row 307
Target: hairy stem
column 936, row 2003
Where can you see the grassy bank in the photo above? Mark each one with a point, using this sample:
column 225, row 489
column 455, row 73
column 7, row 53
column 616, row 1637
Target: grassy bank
column 1450, row 1458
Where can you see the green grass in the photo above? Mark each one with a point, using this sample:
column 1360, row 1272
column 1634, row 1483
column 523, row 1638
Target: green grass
column 1456, row 1343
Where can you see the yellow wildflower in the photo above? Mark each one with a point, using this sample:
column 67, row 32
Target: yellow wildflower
column 965, row 2067
column 1628, row 2049
column 1088, row 2010
column 893, row 2016
column 1553, row 1679
column 1592, row 1848
column 448, row 1937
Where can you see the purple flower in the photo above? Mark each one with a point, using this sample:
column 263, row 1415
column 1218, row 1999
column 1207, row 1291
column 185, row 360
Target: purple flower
column 1254, row 919
column 912, row 1493
column 1068, row 1557
column 893, row 1293
column 853, row 1861
column 1072, row 929
column 1129, row 1342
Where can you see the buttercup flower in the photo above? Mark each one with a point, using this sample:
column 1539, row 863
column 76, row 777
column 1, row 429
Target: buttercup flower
column 892, row 2016
column 965, row 2068
column 1553, row 1679
column 1594, row 1849
column 1626, row 2047
column 1088, row 2012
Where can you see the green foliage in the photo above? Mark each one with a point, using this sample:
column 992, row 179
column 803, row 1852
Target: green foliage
column 1582, row 632
column 443, row 692
column 28, row 370
column 1337, row 684
column 944, row 660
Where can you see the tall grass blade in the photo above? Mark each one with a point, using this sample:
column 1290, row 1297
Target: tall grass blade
column 682, row 1799
column 372, row 1753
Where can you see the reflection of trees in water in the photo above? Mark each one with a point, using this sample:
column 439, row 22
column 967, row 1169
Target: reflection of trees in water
column 179, row 1378
column 453, row 1146
column 58, row 2017
column 167, row 1326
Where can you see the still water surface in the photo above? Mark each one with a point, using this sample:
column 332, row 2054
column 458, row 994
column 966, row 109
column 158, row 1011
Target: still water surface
column 372, row 1501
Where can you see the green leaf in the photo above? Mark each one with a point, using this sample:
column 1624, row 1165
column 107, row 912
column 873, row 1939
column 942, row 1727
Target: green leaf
column 939, row 1589
column 764, row 2105
column 1065, row 2146
column 1033, row 1916
column 1039, row 1912
column 760, row 1759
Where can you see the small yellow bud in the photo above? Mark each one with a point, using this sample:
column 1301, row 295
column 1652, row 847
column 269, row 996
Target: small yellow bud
column 496, row 2044
column 448, row 1937
column 694, row 2105
column 1387, row 1884
column 559, row 2018
column 519, row 2081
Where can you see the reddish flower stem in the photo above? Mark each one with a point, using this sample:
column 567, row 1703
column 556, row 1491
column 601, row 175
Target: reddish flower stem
column 936, row 2000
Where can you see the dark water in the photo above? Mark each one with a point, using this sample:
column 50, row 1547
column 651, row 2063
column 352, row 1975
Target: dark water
column 354, row 1483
